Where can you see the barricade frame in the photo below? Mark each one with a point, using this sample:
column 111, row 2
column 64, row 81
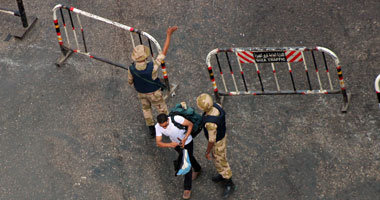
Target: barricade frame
column 67, row 51
column 20, row 32
column 377, row 88
column 219, row 96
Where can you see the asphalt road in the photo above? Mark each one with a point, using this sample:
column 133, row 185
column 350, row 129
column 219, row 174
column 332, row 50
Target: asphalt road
column 77, row 132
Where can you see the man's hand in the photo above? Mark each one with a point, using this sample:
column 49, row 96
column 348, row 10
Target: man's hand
column 183, row 142
column 173, row 144
column 210, row 145
column 208, row 155
column 169, row 33
column 184, row 106
column 171, row 30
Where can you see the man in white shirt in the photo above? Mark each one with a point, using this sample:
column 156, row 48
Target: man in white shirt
column 180, row 138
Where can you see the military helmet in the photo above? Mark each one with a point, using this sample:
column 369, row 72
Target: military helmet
column 140, row 53
column 204, row 102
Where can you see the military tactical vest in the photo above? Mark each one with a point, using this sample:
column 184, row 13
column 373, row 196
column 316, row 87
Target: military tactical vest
column 141, row 85
column 218, row 120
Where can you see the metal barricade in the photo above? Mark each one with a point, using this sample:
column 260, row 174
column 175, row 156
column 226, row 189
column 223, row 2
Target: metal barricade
column 67, row 48
column 20, row 32
column 272, row 58
column 377, row 88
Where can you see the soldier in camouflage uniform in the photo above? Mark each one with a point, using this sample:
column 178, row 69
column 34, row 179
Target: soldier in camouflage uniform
column 143, row 75
column 215, row 132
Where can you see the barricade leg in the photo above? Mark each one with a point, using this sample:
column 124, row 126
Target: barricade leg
column 346, row 101
column 218, row 98
column 346, row 95
column 170, row 87
column 20, row 32
column 66, row 52
column 21, row 9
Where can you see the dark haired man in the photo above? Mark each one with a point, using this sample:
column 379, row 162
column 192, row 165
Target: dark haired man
column 180, row 138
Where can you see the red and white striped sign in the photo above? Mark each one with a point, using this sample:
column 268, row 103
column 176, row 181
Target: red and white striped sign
column 294, row 56
column 245, row 57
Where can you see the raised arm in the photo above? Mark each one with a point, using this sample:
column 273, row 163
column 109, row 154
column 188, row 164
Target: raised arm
column 169, row 33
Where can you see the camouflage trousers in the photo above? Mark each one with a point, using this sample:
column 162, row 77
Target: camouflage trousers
column 219, row 152
column 153, row 98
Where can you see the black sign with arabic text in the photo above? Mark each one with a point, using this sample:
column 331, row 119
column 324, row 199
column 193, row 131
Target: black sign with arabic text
column 269, row 56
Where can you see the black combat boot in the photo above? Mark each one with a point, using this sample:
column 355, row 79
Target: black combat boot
column 152, row 131
column 229, row 188
column 217, row 178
